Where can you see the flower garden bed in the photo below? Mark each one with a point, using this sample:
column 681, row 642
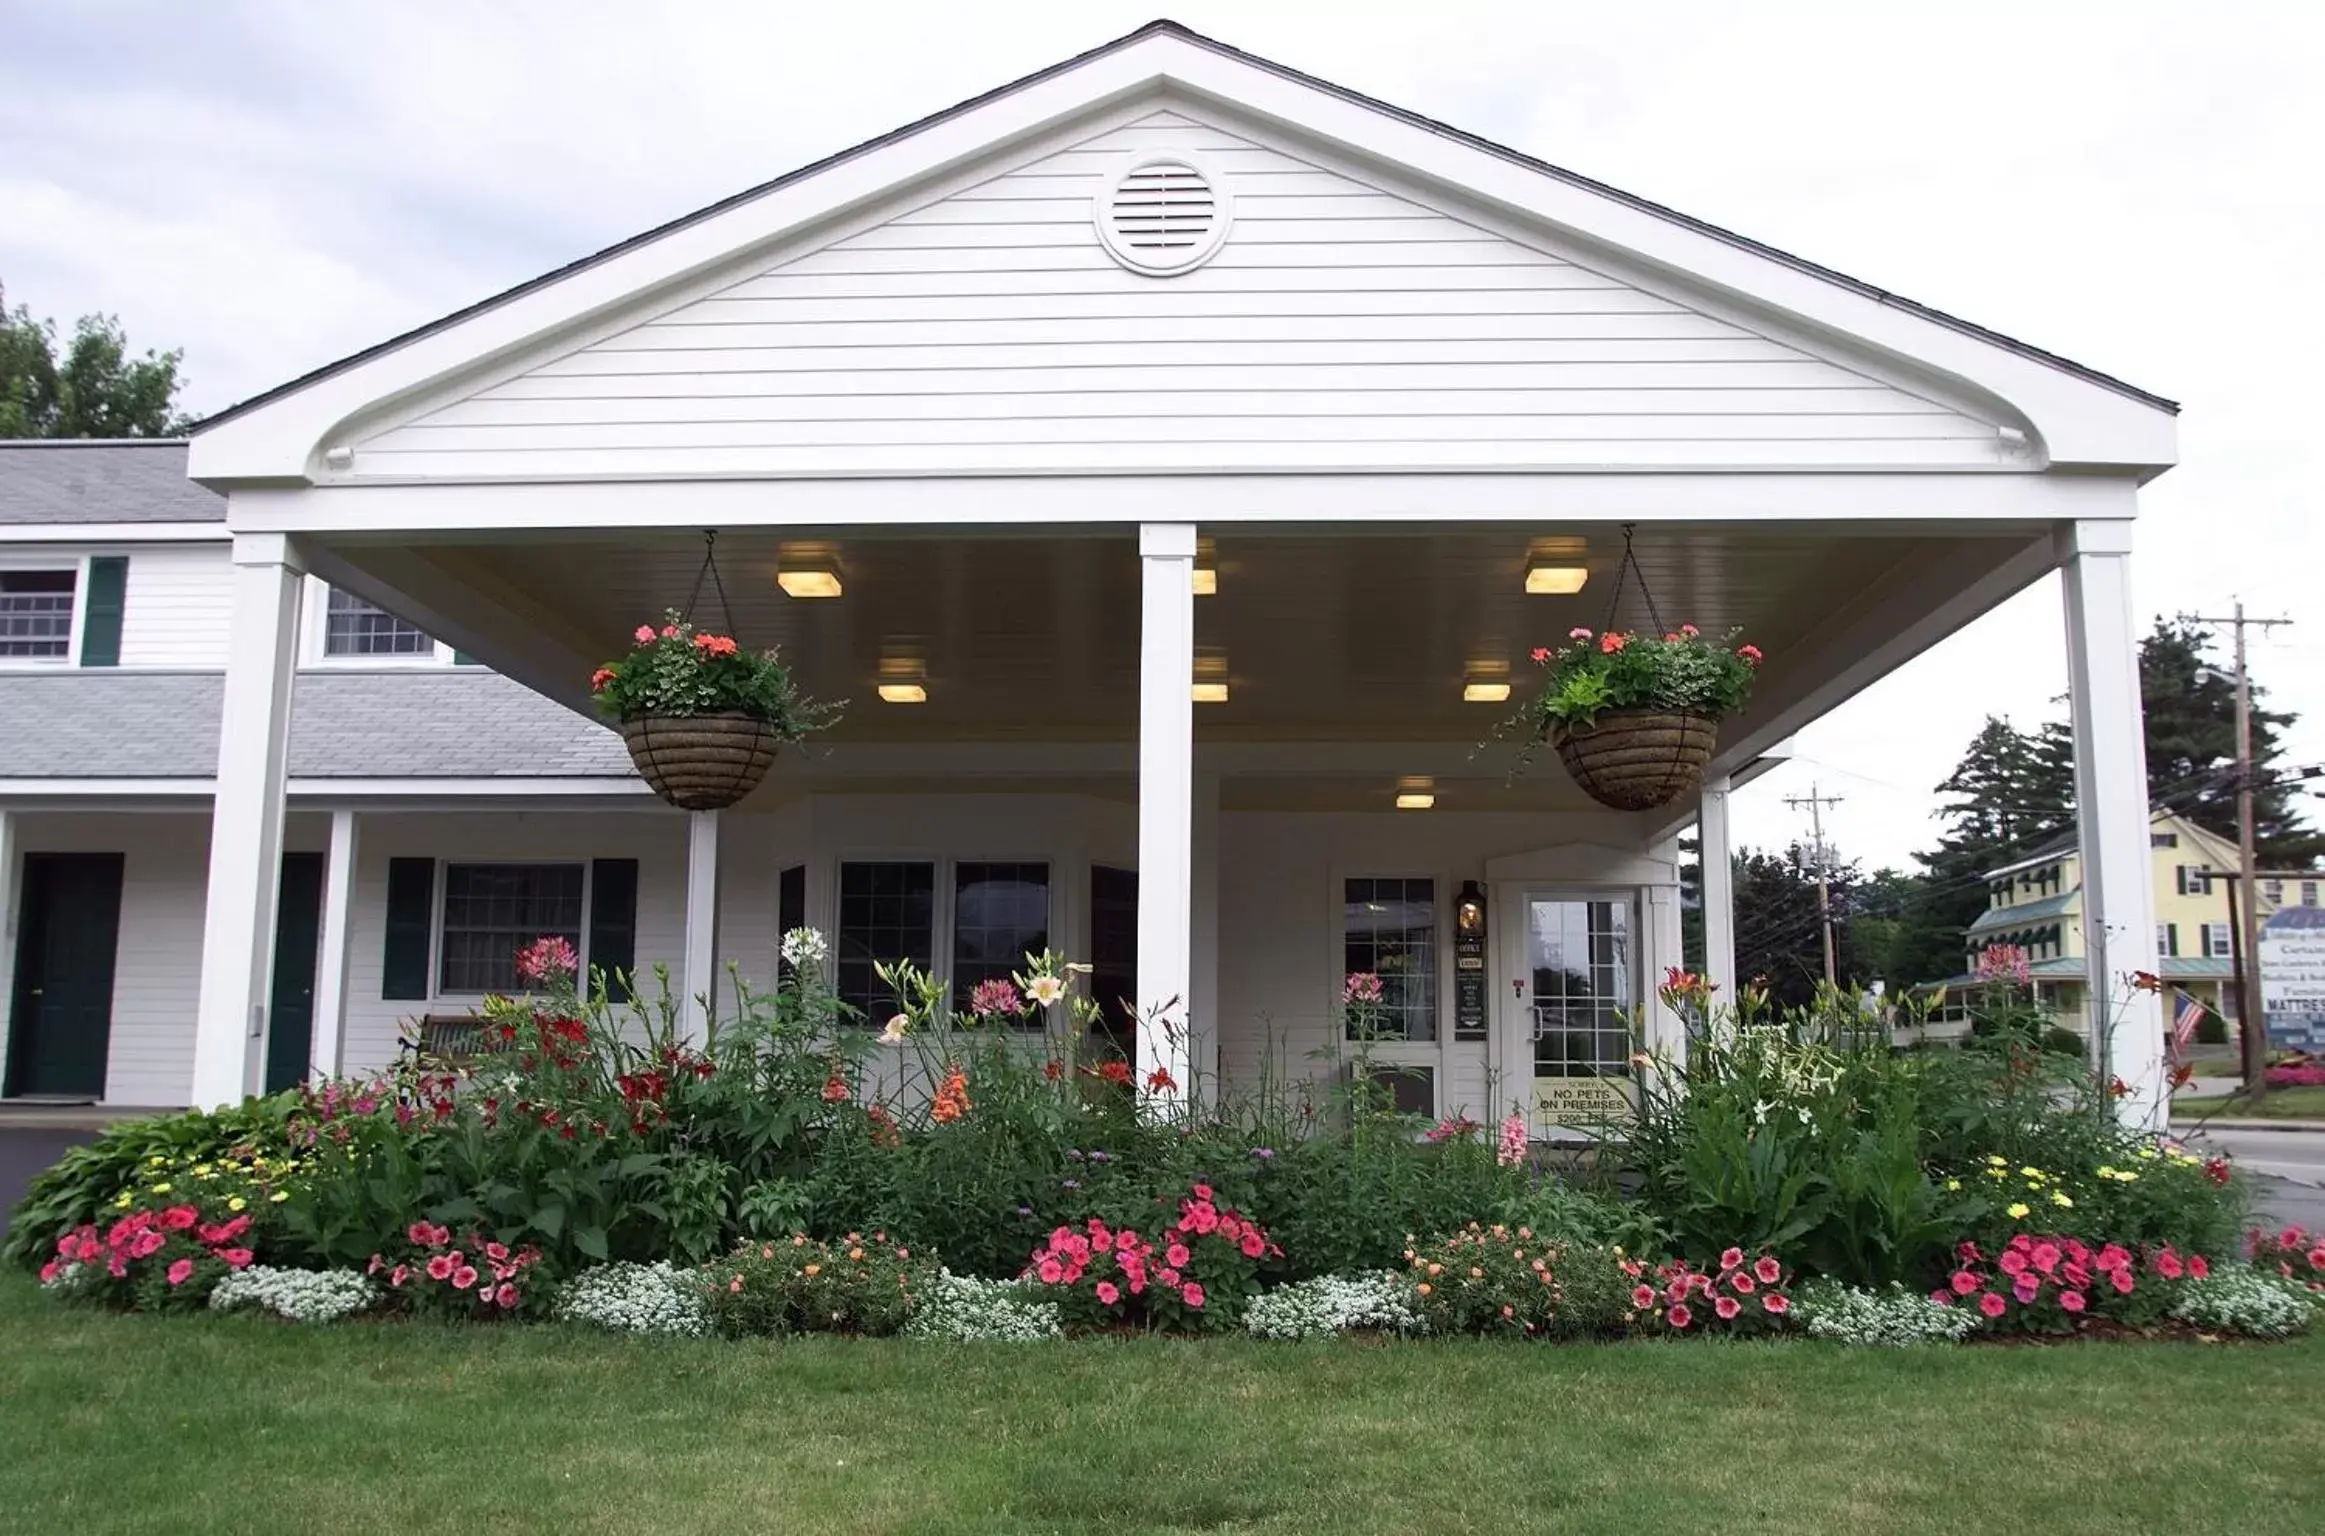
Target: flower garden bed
column 985, row 1175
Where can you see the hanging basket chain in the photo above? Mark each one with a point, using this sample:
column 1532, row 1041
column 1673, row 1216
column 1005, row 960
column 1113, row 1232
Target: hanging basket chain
column 1630, row 567
column 710, row 572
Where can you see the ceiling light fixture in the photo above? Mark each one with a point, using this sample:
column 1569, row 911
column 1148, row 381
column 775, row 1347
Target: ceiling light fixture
column 1555, row 580
column 1415, row 800
column 1485, row 693
column 1210, row 693
column 903, row 693
column 1206, row 581
column 809, row 583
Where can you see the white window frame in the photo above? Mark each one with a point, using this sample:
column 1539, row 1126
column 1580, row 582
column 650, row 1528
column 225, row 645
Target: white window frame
column 437, row 991
column 1434, row 1054
column 946, row 865
column 78, row 564
column 2219, row 944
column 1514, row 1052
column 314, row 639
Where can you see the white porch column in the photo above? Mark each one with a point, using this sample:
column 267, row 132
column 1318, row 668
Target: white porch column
column 329, row 1057
column 1665, row 1030
column 246, row 821
column 2111, row 812
column 701, row 963
column 1166, row 740
column 1719, row 892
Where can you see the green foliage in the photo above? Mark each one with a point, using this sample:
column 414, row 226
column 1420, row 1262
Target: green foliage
column 1516, row 1282
column 2191, row 746
column 852, row 1284
column 83, row 1185
column 1682, row 671
column 95, row 390
column 676, row 670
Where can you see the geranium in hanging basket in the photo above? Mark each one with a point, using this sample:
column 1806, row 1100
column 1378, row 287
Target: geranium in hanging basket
column 703, row 717
column 1634, row 717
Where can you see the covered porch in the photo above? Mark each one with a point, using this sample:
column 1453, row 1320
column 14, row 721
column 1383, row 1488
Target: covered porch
column 1226, row 763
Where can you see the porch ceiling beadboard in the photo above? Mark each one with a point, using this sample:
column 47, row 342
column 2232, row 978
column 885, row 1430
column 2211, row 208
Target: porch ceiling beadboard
column 1339, row 326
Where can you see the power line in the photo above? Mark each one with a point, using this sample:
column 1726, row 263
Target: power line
column 1816, row 801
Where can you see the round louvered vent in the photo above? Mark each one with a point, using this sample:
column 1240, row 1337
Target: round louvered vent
column 1163, row 215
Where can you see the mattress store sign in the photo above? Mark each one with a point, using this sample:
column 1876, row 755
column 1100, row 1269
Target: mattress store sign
column 2292, row 978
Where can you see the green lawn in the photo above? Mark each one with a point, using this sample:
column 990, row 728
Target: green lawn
column 231, row 1424
column 2276, row 1104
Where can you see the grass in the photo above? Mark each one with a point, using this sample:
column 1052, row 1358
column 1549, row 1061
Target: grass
column 197, row 1424
column 2276, row 1104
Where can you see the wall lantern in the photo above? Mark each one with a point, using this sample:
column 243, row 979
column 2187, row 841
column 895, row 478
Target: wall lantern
column 1469, row 1022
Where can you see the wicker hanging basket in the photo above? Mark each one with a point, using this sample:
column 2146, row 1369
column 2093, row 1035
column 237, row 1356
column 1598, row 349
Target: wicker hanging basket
column 701, row 762
column 1637, row 759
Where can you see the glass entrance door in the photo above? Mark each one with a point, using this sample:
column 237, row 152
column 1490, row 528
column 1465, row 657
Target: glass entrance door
column 1581, row 972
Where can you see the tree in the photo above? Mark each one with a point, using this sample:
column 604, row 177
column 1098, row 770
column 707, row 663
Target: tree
column 2191, row 746
column 2010, row 793
column 96, row 389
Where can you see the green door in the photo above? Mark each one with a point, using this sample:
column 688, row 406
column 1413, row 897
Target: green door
column 61, row 1012
column 290, row 1009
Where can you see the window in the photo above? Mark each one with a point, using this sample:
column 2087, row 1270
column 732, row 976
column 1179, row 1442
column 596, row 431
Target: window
column 1390, row 929
column 493, row 910
column 353, row 627
column 1580, row 956
column 1000, row 915
column 2167, row 938
column 36, row 613
column 887, row 912
column 2163, row 839
column 2193, row 879
column 2216, row 942
column 2308, row 893
column 2272, row 891
column 1114, row 951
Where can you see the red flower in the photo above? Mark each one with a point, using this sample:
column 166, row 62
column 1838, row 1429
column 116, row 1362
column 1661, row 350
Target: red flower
column 1680, row 1317
column 1750, row 653
column 1769, row 1271
column 599, row 678
column 1688, row 631
column 179, row 1217
column 645, row 634
column 1053, row 1069
column 1161, row 1081
column 236, row 1258
column 835, row 1089
column 1578, row 633
column 1116, row 1072
column 1642, row 1297
column 1775, row 1304
column 1192, row 1295
column 2217, row 1170
column 1610, row 642
column 1541, row 655
column 1727, row 1307
column 2070, row 1301
column 181, row 1272
column 464, row 1277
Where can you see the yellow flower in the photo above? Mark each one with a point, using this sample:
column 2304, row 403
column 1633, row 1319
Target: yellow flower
column 2032, row 1173
column 122, row 1204
column 161, row 1189
column 153, row 1162
column 2147, row 1154
column 202, row 1170
column 2019, row 1211
column 2127, row 1177
column 1953, row 1183
column 236, row 1204
column 279, row 1196
column 2106, row 1172
column 2059, row 1198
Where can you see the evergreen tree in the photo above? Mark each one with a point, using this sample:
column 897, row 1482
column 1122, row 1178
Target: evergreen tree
column 96, row 389
column 2191, row 746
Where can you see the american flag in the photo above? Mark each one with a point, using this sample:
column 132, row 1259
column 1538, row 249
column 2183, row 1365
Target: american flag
column 2184, row 1022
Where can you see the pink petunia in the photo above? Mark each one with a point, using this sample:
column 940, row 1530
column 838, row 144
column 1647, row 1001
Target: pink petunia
column 1642, row 1297
column 419, row 1232
column 2045, row 1256
column 1108, row 1293
column 181, row 1272
column 179, row 1217
column 463, row 1278
column 2168, row 1265
column 1964, row 1282
column 1202, row 1192
column 1177, row 1256
column 1767, row 1271
column 2013, row 1262
column 2071, row 1301
column 2199, row 1266
column 1942, row 1296
column 1679, row 1316
column 1992, row 1304
column 505, row 1297
column 645, row 634
column 1052, row 1272
column 1727, row 1307
column 236, row 1258
column 397, row 1275
column 1741, row 1283
column 2121, row 1280
column 1253, row 1245
column 2026, row 1288
column 1775, row 1303
column 1732, row 1259
column 440, row 1267
column 1192, row 1295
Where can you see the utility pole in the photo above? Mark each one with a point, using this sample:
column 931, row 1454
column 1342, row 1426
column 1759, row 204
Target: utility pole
column 2252, row 1021
column 1816, row 803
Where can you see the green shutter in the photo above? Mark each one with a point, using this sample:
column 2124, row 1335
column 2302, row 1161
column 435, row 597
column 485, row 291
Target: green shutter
column 411, row 908
column 101, row 611
column 613, row 922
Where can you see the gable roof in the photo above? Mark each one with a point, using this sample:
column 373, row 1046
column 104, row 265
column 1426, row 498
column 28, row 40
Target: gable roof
column 102, row 480
column 1173, row 30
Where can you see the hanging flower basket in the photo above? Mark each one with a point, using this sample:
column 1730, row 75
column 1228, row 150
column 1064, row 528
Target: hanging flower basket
column 1637, row 759
column 703, row 718
column 701, row 762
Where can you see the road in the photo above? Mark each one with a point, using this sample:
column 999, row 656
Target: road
column 2291, row 1165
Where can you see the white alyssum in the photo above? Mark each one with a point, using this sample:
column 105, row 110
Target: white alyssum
column 961, row 1309
column 2237, row 1298
column 1334, row 1304
column 1891, row 1318
column 635, row 1298
column 301, row 1295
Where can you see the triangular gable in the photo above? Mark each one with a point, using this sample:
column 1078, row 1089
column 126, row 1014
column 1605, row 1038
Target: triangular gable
column 1527, row 316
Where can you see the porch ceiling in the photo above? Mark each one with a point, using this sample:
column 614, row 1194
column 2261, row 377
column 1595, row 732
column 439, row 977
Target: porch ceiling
column 1322, row 635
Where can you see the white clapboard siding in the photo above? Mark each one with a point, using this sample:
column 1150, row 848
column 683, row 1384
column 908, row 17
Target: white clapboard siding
column 1339, row 326
column 178, row 607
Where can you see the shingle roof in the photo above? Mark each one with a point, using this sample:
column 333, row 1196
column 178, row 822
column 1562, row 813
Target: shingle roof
column 130, row 480
column 452, row 724
column 2022, row 912
column 1174, row 29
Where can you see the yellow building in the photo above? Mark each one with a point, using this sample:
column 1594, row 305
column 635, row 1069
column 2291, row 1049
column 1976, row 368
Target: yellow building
column 2036, row 903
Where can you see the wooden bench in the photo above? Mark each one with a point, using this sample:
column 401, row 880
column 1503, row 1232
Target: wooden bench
column 452, row 1038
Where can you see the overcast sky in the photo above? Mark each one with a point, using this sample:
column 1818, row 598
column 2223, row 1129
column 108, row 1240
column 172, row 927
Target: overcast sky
column 271, row 186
